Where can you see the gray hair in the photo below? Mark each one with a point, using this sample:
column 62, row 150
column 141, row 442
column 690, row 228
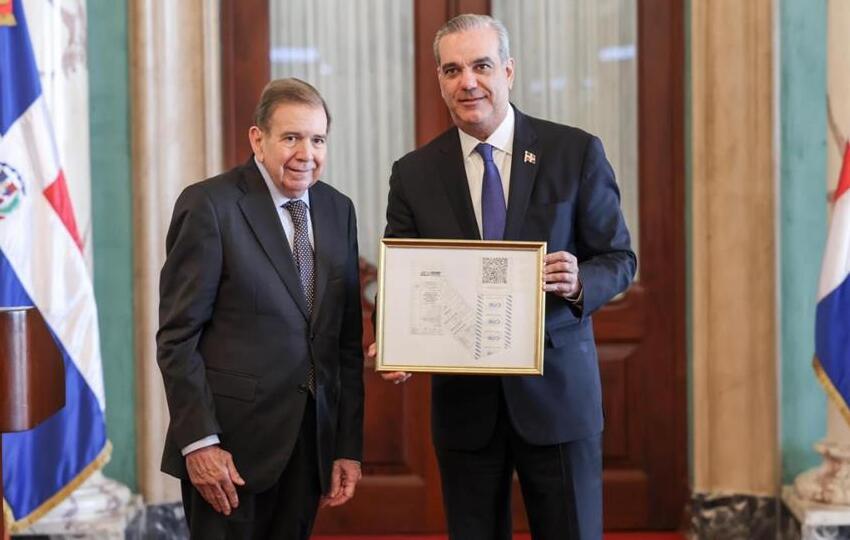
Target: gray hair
column 470, row 21
column 291, row 90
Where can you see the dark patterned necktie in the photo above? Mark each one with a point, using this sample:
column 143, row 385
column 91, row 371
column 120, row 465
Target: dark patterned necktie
column 304, row 260
column 493, row 210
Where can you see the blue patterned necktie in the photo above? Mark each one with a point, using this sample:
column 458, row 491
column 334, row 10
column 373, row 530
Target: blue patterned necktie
column 304, row 260
column 493, row 210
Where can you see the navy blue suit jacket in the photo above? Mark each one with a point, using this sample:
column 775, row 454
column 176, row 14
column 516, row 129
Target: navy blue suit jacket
column 567, row 197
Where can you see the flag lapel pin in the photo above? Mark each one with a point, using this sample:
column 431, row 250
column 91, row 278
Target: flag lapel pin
column 529, row 158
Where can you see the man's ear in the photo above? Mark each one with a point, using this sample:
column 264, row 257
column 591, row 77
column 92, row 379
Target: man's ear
column 255, row 137
column 509, row 71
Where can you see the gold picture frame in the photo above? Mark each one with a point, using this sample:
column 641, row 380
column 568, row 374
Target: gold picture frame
column 460, row 306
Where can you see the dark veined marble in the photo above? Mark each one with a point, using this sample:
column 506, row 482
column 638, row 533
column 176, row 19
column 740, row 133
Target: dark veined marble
column 159, row 522
column 747, row 517
column 155, row 522
column 734, row 517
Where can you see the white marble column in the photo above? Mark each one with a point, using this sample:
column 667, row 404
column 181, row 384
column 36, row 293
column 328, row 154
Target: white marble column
column 176, row 140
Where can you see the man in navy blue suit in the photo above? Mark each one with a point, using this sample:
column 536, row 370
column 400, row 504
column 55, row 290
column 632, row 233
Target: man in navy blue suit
column 560, row 188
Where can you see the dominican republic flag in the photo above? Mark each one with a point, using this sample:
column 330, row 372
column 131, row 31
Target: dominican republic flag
column 832, row 326
column 41, row 264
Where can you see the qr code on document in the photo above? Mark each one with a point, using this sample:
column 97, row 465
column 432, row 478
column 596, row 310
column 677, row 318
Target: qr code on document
column 494, row 270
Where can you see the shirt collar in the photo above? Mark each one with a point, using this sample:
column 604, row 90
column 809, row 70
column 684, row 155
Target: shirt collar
column 502, row 138
column 279, row 198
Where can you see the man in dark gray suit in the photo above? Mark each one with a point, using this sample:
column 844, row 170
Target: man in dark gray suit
column 260, row 333
column 500, row 174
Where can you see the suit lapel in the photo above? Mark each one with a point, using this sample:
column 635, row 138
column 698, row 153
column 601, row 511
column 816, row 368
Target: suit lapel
column 259, row 211
column 451, row 171
column 524, row 162
column 323, row 239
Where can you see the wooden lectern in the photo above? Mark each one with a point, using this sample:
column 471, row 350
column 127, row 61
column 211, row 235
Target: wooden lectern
column 32, row 375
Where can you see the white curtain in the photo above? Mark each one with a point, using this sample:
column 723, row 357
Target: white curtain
column 576, row 63
column 359, row 55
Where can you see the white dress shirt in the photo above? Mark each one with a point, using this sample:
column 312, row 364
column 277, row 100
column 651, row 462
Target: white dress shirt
column 279, row 200
column 289, row 228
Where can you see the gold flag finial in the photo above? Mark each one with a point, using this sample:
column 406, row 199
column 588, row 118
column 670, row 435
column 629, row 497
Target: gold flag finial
column 7, row 16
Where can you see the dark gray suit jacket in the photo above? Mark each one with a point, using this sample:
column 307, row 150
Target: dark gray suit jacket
column 567, row 197
column 235, row 339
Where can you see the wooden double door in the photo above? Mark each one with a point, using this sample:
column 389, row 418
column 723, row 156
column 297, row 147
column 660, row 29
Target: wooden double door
column 640, row 336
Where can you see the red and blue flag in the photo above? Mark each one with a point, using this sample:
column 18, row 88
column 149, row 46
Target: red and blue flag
column 42, row 265
column 832, row 326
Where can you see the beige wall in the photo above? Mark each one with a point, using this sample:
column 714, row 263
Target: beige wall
column 734, row 247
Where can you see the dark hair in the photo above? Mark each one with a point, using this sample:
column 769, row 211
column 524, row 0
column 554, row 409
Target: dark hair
column 290, row 90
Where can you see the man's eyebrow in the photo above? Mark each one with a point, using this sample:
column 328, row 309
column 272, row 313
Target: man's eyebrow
column 481, row 60
column 302, row 134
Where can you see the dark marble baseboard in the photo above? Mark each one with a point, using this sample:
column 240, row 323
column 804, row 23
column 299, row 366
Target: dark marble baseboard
column 154, row 522
column 159, row 522
column 713, row 517
column 735, row 517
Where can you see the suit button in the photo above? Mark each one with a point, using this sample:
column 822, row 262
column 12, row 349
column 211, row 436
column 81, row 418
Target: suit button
column 303, row 388
column 312, row 336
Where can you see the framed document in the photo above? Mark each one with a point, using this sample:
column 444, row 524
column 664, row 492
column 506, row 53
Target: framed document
column 460, row 306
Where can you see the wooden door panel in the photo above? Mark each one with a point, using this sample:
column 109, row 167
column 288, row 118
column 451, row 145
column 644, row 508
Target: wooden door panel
column 625, row 498
column 623, row 320
column 383, row 440
column 612, row 369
